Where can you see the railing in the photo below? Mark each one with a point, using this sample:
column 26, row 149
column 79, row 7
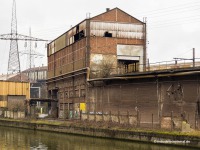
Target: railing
column 174, row 64
column 164, row 65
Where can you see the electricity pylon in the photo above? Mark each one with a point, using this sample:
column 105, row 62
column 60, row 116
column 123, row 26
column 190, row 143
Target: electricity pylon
column 14, row 37
column 31, row 54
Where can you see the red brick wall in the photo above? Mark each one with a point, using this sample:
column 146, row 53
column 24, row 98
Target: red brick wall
column 106, row 45
column 68, row 59
column 116, row 15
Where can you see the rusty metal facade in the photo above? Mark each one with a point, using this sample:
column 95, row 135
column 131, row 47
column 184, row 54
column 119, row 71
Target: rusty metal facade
column 120, row 30
column 158, row 96
column 66, row 39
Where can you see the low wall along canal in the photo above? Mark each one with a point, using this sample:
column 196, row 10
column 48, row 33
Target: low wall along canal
column 94, row 130
column 15, row 138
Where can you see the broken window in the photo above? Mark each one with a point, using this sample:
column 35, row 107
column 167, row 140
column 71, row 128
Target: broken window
column 107, row 34
column 78, row 35
column 175, row 92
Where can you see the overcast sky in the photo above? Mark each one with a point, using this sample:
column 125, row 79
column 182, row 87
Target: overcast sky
column 173, row 26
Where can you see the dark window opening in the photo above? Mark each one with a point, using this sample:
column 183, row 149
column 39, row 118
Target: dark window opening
column 198, row 108
column 79, row 36
column 107, row 34
column 71, row 94
column 35, row 92
column 54, row 94
column 66, row 94
column 128, row 66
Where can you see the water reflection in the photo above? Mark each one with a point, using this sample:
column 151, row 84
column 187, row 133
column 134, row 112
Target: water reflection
column 21, row 139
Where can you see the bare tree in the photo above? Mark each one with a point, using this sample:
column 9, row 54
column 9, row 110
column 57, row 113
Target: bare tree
column 16, row 105
column 103, row 67
column 106, row 67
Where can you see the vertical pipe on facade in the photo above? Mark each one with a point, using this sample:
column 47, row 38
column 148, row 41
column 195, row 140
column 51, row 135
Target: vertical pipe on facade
column 73, row 77
column 108, row 97
column 68, row 102
column 198, row 89
column 158, row 99
column 145, row 45
column 96, row 99
column 87, row 57
column 63, row 89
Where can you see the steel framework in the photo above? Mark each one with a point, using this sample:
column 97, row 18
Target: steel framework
column 14, row 37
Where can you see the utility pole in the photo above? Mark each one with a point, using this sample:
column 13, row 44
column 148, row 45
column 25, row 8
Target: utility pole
column 193, row 57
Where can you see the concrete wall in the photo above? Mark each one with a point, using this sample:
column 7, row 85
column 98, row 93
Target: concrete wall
column 158, row 97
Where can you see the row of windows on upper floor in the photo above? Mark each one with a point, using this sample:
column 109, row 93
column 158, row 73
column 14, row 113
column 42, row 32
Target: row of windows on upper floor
column 100, row 29
column 37, row 75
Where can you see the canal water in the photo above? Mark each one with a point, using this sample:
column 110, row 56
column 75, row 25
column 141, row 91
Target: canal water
column 22, row 139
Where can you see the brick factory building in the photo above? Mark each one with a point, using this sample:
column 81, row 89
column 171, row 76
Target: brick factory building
column 108, row 44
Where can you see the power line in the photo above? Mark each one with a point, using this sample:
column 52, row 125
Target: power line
column 166, row 8
column 173, row 24
column 175, row 19
column 180, row 55
column 14, row 37
column 172, row 13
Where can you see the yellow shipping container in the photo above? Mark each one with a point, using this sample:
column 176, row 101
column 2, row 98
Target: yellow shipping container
column 15, row 88
column 3, row 103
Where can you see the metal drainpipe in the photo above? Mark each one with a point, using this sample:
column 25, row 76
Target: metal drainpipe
column 87, row 57
column 86, row 87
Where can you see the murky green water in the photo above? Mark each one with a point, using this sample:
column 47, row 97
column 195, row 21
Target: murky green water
column 21, row 139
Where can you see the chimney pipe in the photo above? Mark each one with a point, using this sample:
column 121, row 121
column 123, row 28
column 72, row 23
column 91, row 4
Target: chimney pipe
column 107, row 9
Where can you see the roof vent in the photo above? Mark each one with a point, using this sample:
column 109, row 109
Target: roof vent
column 107, row 9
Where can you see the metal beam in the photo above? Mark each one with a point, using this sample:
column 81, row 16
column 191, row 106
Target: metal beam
column 20, row 37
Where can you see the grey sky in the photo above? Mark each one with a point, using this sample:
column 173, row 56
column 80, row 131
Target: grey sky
column 173, row 25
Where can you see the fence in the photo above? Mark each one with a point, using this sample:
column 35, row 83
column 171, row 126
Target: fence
column 14, row 114
column 164, row 65
column 172, row 123
column 174, row 64
column 127, row 119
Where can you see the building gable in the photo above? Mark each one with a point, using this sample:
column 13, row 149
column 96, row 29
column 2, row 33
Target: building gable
column 116, row 15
